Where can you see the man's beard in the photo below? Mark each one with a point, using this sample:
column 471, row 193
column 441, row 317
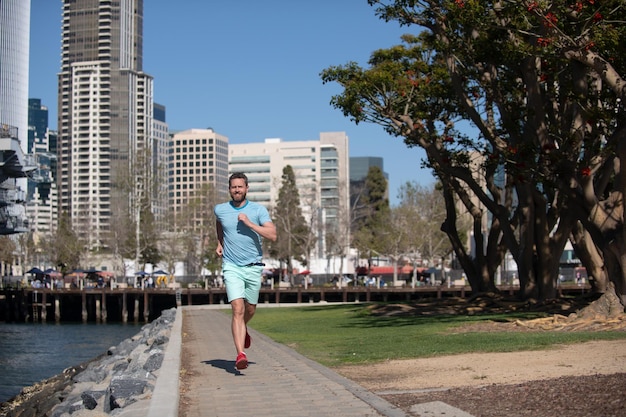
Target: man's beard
column 238, row 198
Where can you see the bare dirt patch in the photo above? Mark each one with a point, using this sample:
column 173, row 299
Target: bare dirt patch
column 481, row 369
column 580, row 380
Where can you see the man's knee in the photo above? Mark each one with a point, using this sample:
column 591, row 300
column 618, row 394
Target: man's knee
column 238, row 307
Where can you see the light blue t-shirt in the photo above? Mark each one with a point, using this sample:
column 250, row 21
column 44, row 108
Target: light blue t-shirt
column 242, row 245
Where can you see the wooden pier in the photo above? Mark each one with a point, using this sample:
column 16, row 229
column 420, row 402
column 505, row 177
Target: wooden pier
column 143, row 305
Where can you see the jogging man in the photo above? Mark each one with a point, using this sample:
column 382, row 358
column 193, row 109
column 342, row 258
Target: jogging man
column 241, row 225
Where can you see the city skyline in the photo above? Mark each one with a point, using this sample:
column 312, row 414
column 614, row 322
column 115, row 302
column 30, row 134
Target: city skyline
column 253, row 91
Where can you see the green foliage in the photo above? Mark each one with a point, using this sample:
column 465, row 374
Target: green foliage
column 337, row 335
column 149, row 237
column 541, row 83
column 291, row 227
column 369, row 227
column 193, row 235
column 66, row 246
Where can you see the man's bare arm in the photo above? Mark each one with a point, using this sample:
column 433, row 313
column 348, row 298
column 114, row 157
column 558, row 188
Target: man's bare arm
column 267, row 230
column 220, row 238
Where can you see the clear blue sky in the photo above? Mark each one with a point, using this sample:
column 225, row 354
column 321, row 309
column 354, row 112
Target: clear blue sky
column 248, row 69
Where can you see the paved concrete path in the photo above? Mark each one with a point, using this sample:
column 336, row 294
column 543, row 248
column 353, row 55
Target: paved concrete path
column 198, row 379
column 278, row 381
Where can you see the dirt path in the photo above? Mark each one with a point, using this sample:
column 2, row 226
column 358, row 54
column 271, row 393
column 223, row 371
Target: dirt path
column 479, row 369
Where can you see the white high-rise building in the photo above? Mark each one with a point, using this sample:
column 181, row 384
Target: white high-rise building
column 14, row 59
column 14, row 165
column 321, row 169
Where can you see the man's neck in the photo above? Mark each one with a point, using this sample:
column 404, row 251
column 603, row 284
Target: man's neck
column 239, row 204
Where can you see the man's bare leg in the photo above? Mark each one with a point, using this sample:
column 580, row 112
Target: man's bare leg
column 238, row 323
column 243, row 312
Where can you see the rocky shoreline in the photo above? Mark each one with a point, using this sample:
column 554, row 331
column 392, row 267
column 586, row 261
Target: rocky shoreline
column 126, row 374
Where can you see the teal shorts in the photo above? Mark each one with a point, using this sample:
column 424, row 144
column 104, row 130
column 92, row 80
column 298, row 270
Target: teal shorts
column 242, row 282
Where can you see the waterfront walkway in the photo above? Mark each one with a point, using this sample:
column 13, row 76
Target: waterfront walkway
column 278, row 382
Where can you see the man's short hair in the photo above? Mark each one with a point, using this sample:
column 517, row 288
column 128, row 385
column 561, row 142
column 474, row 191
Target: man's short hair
column 236, row 175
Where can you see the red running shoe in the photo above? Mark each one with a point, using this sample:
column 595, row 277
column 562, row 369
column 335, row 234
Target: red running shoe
column 248, row 341
column 242, row 361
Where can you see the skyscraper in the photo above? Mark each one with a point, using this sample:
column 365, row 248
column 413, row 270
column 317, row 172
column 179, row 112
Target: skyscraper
column 105, row 117
column 42, row 197
column 14, row 166
column 161, row 144
column 14, row 49
column 37, row 124
column 359, row 168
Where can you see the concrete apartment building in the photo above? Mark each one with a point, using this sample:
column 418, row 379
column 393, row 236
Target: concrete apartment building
column 198, row 170
column 321, row 169
column 105, row 126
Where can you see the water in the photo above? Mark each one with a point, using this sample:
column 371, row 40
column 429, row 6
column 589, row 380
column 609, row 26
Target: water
column 31, row 352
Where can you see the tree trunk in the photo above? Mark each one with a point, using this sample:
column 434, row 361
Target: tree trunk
column 607, row 306
column 618, row 279
column 591, row 258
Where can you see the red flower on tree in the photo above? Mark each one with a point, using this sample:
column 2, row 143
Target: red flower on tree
column 551, row 19
column 578, row 7
column 586, row 171
column 544, row 41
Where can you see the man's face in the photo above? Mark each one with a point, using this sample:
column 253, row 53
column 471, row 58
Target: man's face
column 238, row 190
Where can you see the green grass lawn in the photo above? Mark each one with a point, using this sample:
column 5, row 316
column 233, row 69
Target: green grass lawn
column 347, row 334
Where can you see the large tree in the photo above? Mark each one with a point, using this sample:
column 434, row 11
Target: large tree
column 66, row 247
column 540, row 85
column 7, row 254
column 337, row 234
column 424, row 208
column 291, row 225
column 194, row 230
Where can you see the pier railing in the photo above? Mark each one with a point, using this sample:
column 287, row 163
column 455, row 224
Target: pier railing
column 144, row 305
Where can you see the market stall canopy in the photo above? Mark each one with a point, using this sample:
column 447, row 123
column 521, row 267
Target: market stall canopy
column 52, row 272
column 34, row 270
